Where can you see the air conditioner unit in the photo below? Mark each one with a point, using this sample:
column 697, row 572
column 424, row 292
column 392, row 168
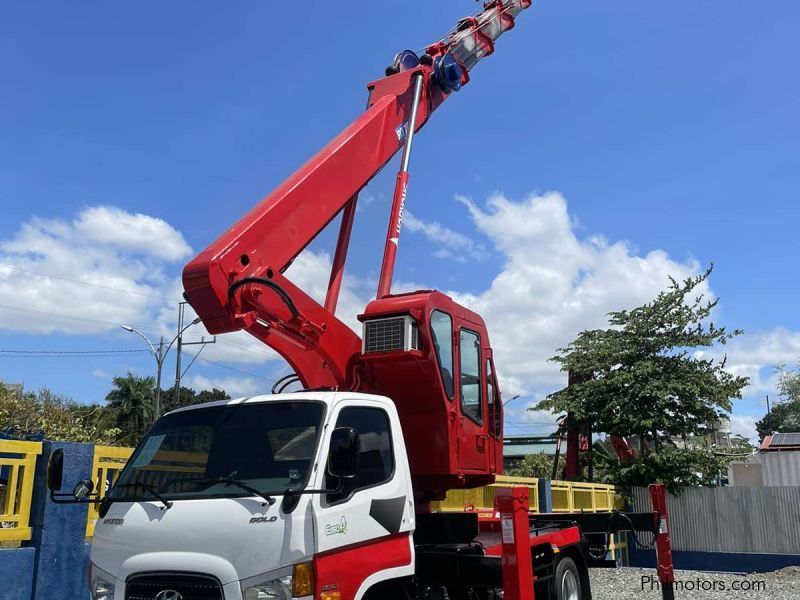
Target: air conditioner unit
column 390, row 335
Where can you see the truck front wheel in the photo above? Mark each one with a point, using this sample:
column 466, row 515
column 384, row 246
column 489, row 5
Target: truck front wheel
column 567, row 580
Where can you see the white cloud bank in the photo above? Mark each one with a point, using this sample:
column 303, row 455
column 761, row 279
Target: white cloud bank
column 105, row 266
column 109, row 266
column 553, row 284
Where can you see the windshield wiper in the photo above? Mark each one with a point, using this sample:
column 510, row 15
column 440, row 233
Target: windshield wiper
column 228, row 480
column 145, row 486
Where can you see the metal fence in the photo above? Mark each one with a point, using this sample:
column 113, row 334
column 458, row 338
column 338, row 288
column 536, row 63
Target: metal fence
column 573, row 496
column 106, row 466
column 732, row 519
column 17, row 465
column 567, row 496
column 483, row 497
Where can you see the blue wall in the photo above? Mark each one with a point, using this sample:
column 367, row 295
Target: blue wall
column 736, row 562
column 59, row 530
column 16, row 573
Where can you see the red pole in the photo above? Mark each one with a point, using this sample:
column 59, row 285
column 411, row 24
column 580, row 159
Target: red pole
column 573, row 440
column 399, row 199
column 513, row 506
column 666, row 572
column 339, row 258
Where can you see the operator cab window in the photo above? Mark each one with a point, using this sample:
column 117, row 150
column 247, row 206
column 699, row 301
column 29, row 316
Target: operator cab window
column 470, row 353
column 442, row 336
column 376, row 461
column 493, row 398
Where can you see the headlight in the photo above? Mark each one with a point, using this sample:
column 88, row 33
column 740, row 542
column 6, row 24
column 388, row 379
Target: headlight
column 294, row 582
column 101, row 585
column 279, row 588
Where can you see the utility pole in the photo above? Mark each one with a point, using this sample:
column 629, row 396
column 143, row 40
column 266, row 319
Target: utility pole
column 159, row 354
column 179, row 350
column 160, row 360
column 769, row 416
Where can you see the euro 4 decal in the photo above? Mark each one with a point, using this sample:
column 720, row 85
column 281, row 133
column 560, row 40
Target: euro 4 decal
column 339, row 528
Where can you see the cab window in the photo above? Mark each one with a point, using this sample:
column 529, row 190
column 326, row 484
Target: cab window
column 493, row 398
column 470, row 355
column 442, row 336
column 376, row 460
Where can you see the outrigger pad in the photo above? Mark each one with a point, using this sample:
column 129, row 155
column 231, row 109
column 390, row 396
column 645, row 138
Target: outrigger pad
column 446, row 528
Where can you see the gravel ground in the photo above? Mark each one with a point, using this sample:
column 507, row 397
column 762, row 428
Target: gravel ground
column 629, row 583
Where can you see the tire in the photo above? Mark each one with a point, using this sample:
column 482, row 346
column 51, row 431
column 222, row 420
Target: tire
column 567, row 580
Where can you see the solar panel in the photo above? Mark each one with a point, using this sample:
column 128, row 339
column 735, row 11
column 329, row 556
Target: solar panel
column 785, row 439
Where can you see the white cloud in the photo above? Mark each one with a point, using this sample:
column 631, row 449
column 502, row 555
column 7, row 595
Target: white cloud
column 114, row 227
column 106, row 266
column 100, row 374
column 554, row 284
column 758, row 354
column 744, row 425
column 452, row 244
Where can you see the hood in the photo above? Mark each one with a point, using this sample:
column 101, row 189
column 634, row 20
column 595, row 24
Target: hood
column 230, row 539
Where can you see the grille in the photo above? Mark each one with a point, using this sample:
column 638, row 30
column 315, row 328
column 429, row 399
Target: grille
column 386, row 335
column 189, row 585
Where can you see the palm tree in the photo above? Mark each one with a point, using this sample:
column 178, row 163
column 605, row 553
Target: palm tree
column 131, row 402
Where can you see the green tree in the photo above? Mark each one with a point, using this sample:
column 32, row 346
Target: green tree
column 131, row 402
column 539, row 465
column 53, row 415
column 645, row 376
column 784, row 416
column 789, row 384
column 189, row 397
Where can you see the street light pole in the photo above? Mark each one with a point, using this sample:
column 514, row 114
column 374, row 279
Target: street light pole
column 160, row 361
column 159, row 354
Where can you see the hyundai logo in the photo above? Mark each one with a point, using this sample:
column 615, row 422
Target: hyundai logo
column 168, row 595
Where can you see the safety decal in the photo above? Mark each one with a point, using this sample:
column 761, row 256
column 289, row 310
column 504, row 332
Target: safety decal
column 389, row 513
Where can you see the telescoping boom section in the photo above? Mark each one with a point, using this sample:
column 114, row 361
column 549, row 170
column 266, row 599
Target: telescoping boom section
column 427, row 353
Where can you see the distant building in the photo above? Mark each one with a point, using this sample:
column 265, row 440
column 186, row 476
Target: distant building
column 517, row 447
column 777, row 463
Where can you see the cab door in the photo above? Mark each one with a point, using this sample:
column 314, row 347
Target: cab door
column 365, row 527
column 474, row 442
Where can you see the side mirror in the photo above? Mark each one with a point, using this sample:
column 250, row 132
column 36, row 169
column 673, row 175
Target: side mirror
column 82, row 490
column 344, row 453
column 55, row 470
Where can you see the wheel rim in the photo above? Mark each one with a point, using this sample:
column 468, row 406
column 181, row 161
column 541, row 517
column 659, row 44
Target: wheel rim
column 569, row 586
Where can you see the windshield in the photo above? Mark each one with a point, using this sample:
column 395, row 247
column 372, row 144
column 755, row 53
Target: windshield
column 268, row 446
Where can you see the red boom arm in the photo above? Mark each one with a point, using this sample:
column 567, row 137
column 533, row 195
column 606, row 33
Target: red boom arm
column 238, row 282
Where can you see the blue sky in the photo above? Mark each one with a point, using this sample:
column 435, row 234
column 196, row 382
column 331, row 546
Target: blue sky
column 604, row 146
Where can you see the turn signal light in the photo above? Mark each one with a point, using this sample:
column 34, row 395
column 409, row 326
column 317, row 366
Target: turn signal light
column 332, row 595
column 303, row 580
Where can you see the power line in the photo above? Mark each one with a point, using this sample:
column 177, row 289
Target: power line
column 81, row 319
column 224, row 366
column 35, row 352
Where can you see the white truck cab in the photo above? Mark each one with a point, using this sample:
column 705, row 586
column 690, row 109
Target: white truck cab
column 238, row 500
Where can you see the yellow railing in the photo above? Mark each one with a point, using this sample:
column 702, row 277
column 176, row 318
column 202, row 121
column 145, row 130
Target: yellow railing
column 17, row 465
column 483, row 497
column 568, row 496
column 574, row 496
column 106, row 466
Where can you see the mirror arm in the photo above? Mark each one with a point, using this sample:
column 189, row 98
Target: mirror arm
column 67, row 498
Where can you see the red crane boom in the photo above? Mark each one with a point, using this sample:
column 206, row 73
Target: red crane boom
column 442, row 380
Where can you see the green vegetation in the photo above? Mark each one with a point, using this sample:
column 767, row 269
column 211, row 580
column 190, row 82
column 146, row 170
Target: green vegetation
column 648, row 377
column 121, row 421
column 785, row 415
column 538, row 465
